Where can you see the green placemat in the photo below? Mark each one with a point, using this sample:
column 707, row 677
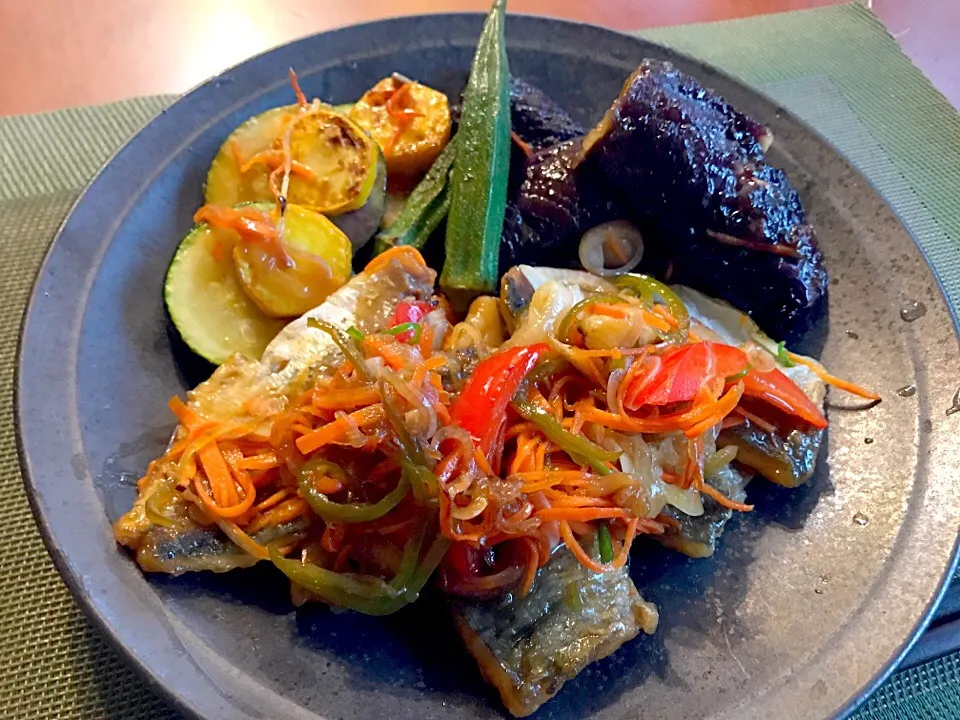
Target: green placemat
column 837, row 68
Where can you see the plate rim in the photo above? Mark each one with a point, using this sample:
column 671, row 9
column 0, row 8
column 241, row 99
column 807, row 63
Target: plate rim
column 60, row 558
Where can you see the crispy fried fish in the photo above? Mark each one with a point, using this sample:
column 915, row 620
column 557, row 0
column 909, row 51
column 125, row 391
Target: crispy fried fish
column 289, row 364
column 528, row 647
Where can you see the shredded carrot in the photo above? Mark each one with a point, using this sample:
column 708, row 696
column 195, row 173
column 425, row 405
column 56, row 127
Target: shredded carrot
column 523, row 145
column 301, row 98
column 564, row 500
column 482, row 462
column 435, row 363
column 722, row 499
column 618, row 312
column 241, row 539
column 185, row 414
column 272, row 500
column 719, row 410
column 756, row 420
column 655, row 321
column 275, row 159
column 394, row 359
column 221, row 481
column 264, row 461
column 829, row 379
column 575, row 513
column 533, row 564
column 346, row 398
column 226, row 502
column 337, row 430
column 426, row 339
column 663, row 312
column 577, row 549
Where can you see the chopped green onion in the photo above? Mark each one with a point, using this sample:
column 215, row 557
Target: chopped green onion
column 739, row 375
column 354, row 332
column 413, row 327
column 782, row 357
column 605, row 542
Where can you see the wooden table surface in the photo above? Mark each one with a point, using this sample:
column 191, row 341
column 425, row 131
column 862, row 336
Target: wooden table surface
column 58, row 53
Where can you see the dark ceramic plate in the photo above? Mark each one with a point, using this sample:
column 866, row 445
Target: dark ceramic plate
column 811, row 599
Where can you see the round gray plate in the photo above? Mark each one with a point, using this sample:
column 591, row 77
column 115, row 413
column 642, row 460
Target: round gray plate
column 802, row 611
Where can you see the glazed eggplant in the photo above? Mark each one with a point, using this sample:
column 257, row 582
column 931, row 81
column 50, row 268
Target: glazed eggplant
column 555, row 205
column 692, row 172
column 537, row 119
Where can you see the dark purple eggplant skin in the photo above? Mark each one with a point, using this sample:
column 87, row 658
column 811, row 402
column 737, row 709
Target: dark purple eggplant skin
column 554, row 206
column 537, row 119
column 689, row 167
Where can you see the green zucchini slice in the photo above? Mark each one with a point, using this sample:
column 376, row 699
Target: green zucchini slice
column 207, row 303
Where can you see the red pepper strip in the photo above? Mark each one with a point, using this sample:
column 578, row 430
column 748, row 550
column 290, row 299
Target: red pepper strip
column 730, row 361
column 412, row 311
column 680, row 377
column 777, row 389
column 481, row 407
column 680, row 373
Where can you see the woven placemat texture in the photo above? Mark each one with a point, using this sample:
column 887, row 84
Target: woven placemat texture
column 836, row 67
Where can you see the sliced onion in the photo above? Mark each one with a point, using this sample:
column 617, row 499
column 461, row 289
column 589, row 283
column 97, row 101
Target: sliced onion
column 612, row 248
column 354, row 436
column 415, row 398
column 613, row 390
column 477, row 506
column 759, row 358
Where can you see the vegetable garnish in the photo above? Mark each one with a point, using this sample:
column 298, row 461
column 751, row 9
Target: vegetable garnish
column 783, row 357
column 426, row 207
column 833, row 380
column 605, row 542
column 478, row 181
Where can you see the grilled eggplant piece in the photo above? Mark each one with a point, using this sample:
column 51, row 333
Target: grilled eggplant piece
column 528, row 647
column 692, row 173
column 538, row 120
column 167, row 539
column 556, row 204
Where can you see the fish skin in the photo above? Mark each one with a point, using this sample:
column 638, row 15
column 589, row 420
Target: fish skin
column 528, row 647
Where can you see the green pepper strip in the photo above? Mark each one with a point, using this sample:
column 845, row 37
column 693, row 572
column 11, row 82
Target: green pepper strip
column 782, row 356
column 605, row 542
column 582, row 451
column 412, row 461
column 478, row 180
column 573, row 314
column 427, row 205
column 415, row 328
column 332, row 511
column 366, row 593
column 650, row 289
column 345, row 344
